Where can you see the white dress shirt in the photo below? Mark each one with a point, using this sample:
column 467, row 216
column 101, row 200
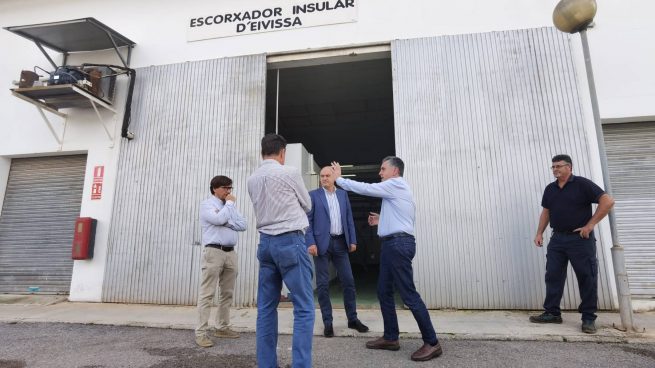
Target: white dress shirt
column 335, row 212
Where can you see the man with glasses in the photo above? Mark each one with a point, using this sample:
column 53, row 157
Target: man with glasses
column 220, row 221
column 567, row 207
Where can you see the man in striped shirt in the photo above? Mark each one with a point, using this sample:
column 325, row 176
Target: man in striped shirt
column 281, row 202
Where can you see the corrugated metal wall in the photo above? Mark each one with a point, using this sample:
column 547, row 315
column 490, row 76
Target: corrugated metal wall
column 477, row 119
column 631, row 161
column 43, row 199
column 192, row 121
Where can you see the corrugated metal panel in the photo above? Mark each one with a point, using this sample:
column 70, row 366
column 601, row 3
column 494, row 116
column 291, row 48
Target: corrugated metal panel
column 192, row 121
column 477, row 119
column 42, row 202
column 631, row 160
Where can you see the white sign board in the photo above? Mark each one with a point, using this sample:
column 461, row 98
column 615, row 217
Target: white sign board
column 277, row 15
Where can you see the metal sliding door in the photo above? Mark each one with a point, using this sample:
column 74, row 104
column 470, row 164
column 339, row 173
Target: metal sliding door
column 477, row 119
column 192, row 121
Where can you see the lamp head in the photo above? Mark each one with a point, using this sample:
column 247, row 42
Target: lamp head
column 573, row 16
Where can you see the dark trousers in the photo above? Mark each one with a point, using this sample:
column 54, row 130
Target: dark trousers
column 396, row 271
column 563, row 248
column 337, row 253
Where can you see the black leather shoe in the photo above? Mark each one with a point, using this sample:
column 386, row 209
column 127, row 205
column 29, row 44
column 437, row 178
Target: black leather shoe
column 358, row 325
column 588, row 326
column 546, row 318
column 328, row 331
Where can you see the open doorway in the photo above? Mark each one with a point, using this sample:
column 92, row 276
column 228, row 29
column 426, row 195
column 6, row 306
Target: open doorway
column 341, row 112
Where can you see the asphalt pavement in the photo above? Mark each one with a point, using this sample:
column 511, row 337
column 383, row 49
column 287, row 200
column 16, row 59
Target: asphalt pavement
column 66, row 345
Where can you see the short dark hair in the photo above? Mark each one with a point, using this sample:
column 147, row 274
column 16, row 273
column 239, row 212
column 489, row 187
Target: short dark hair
column 272, row 144
column 219, row 181
column 565, row 158
column 395, row 162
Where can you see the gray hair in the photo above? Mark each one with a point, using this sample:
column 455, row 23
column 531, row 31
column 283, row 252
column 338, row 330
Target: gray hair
column 395, row 162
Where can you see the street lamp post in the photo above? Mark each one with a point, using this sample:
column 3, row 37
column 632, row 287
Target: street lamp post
column 574, row 16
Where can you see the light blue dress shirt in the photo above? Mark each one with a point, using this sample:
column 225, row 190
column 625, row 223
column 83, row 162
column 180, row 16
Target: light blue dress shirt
column 220, row 222
column 398, row 213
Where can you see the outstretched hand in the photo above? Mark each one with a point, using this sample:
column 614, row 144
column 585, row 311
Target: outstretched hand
column 336, row 169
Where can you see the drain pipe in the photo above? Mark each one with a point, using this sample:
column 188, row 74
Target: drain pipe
column 127, row 115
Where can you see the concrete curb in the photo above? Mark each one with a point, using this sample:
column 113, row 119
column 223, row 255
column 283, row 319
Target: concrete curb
column 450, row 325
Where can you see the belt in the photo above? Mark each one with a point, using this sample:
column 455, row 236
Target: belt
column 337, row 236
column 568, row 232
column 292, row 232
column 396, row 235
column 224, row 248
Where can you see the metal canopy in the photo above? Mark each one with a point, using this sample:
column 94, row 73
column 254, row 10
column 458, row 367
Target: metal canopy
column 78, row 35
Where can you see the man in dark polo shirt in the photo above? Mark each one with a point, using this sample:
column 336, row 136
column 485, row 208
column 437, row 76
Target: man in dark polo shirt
column 567, row 206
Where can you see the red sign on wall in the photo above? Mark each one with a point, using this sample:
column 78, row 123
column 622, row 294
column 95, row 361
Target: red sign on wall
column 96, row 188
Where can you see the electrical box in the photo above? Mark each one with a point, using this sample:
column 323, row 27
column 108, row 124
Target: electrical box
column 84, row 238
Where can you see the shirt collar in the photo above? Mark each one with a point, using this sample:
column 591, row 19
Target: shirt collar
column 328, row 192
column 570, row 180
column 270, row 161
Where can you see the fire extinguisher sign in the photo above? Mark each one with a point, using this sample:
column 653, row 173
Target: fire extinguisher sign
column 96, row 188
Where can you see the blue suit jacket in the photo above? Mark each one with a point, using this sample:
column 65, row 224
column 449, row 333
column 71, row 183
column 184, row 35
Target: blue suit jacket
column 319, row 220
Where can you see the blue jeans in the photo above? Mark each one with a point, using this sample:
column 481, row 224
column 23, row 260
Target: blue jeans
column 396, row 270
column 337, row 252
column 284, row 258
column 581, row 252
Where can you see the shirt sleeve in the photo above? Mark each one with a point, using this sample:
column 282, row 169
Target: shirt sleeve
column 593, row 191
column 301, row 191
column 236, row 220
column 212, row 214
column 544, row 203
column 380, row 190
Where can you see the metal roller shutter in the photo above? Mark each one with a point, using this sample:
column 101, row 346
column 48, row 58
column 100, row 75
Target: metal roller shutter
column 41, row 204
column 631, row 160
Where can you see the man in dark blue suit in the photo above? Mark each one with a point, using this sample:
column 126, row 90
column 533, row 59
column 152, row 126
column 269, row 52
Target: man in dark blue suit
column 330, row 237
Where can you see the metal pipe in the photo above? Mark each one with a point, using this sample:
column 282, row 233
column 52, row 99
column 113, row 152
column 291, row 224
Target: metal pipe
column 618, row 259
column 46, row 54
column 277, row 101
column 116, row 48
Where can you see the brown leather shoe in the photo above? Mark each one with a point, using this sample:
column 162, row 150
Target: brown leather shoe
column 381, row 343
column 427, row 352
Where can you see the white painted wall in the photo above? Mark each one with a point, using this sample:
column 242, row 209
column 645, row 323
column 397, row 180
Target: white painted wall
column 621, row 47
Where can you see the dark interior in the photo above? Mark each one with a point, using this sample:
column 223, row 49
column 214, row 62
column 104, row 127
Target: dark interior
column 340, row 112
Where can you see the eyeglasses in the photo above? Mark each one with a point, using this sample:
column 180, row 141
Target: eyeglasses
column 558, row 166
column 227, row 188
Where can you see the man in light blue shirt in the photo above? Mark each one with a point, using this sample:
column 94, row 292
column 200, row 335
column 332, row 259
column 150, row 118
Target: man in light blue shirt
column 396, row 230
column 220, row 220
